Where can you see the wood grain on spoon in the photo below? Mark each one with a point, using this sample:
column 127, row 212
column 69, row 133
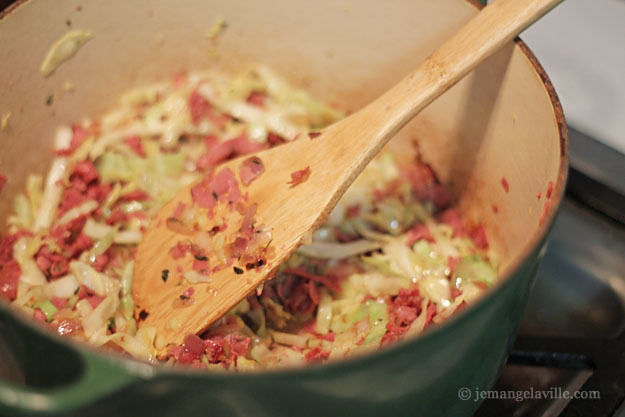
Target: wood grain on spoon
column 335, row 158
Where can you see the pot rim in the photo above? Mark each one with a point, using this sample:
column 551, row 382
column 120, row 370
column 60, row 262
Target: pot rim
column 139, row 368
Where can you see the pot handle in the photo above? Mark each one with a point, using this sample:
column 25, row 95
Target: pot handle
column 52, row 376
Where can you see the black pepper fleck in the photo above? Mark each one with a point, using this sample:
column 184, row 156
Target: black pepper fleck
column 165, row 275
column 237, row 270
column 143, row 315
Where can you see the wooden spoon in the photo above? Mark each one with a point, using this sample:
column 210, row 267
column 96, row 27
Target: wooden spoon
column 334, row 159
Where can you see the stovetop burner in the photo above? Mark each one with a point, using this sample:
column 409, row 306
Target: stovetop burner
column 572, row 335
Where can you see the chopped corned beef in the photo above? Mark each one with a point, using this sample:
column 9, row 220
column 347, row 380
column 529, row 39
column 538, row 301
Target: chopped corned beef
column 549, row 189
column 80, row 134
column 219, row 152
column 84, row 186
column 250, row 169
column 403, row 309
column 201, row 266
column 70, row 238
column 180, row 208
column 454, row 292
column 238, row 344
column 317, row 354
column 188, row 293
column 275, row 139
column 67, row 327
column 543, row 215
column 327, row 336
column 83, row 174
column 452, row 218
column 504, row 184
column 136, row 195
column 53, row 265
column 453, row 260
column 215, row 348
column 297, row 296
column 478, row 236
column 199, row 107
column 426, row 186
column 299, row 177
column 59, row 302
column 93, row 298
column 302, row 273
column 418, row 232
column 9, row 277
column 213, row 188
column 353, row 211
column 38, row 315
column 100, row 262
column 257, row 98
column 134, row 143
column 180, row 250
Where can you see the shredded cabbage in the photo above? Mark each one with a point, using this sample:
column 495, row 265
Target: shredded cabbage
column 382, row 267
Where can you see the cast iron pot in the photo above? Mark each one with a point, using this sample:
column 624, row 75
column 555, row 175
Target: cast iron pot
column 497, row 139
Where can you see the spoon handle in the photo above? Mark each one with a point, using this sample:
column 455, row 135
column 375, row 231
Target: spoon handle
column 483, row 35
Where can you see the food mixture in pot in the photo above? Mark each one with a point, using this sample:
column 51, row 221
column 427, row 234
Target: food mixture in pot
column 393, row 258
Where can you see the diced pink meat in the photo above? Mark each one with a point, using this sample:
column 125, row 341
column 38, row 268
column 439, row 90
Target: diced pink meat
column 80, row 134
column 478, row 236
column 180, row 250
column 83, row 174
column 238, row 344
column 9, row 277
column 201, row 266
column 504, row 184
column 418, row 232
column 67, row 326
column 316, row 354
column 250, row 169
column 452, row 218
column 194, row 345
column 38, row 315
column 256, row 98
column 180, row 208
column 70, row 238
column 136, row 195
column 53, row 265
column 93, row 298
column 58, row 302
column 242, row 145
column 299, row 177
column 302, row 273
column 134, row 143
column 211, row 189
column 198, row 106
column 188, row 293
column 549, row 189
column 217, row 154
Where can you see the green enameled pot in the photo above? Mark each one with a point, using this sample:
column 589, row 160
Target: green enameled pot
column 502, row 124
